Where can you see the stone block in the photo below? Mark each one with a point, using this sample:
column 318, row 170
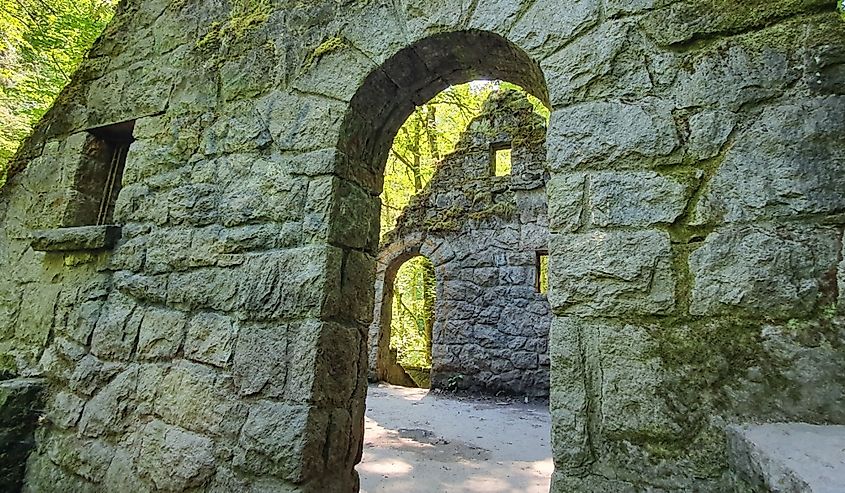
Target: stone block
column 275, row 441
column 86, row 458
column 261, row 360
column 632, row 394
column 776, row 270
column 545, row 26
column 174, row 459
column 204, row 288
column 432, row 16
column 64, row 409
column 197, row 398
column 211, row 339
column 325, row 361
column 91, row 374
column 44, row 475
column 161, row 333
column 566, row 201
column 290, row 284
column 337, row 73
column 168, row 250
column 596, row 135
column 678, row 22
column 788, row 457
column 611, row 273
column 122, row 475
column 496, row 15
column 784, row 165
column 116, row 332
column 303, row 122
column 75, row 239
column 635, row 199
column 708, row 132
column 357, row 287
column 602, row 63
column 108, row 411
column 569, row 396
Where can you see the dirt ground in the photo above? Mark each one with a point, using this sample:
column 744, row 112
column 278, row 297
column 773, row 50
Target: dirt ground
column 421, row 442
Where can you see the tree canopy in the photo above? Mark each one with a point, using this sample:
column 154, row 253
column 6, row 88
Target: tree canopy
column 42, row 43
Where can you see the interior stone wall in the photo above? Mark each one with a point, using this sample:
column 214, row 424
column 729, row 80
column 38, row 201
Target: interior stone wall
column 695, row 205
column 483, row 234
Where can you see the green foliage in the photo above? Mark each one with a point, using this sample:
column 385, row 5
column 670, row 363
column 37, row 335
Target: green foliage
column 41, row 45
column 413, row 313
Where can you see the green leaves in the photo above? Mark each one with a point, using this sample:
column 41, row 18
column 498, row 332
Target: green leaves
column 41, row 45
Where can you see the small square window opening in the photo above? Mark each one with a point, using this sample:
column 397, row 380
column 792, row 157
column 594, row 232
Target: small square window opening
column 502, row 160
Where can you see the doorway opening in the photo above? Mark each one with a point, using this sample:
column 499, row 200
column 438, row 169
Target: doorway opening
column 479, row 216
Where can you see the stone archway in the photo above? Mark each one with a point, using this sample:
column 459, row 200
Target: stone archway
column 689, row 293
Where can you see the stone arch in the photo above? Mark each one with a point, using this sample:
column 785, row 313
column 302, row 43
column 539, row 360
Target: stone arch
column 388, row 263
column 413, row 76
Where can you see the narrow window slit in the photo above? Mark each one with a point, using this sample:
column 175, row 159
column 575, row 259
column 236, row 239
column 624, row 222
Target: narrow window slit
column 541, row 282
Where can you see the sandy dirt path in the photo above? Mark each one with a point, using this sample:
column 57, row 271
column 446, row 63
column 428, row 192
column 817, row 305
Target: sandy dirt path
column 421, row 442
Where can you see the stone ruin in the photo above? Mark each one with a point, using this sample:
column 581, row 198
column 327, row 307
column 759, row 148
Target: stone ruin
column 485, row 235
column 189, row 237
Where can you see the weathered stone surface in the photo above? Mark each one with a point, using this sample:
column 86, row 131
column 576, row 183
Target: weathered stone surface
column 289, row 283
column 261, row 360
column 602, row 63
column 635, row 199
column 116, row 333
column 566, row 202
column 795, row 457
column 781, row 170
column 74, row 239
column 597, row 135
column 86, row 458
column 708, row 132
column 679, row 22
column 273, row 441
column 44, row 475
column 211, row 339
column 64, row 409
column 161, row 333
column 545, row 27
column 107, row 412
column 175, row 459
column 196, row 398
column 612, row 273
column 238, row 203
column 780, row 271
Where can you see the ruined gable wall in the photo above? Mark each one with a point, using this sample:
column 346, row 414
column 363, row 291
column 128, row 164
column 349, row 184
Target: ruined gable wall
column 696, row 282
column 483, row 234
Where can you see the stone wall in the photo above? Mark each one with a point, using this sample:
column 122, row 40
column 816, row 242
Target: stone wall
column 21, row 406
column 695, row 205
column 483, row 234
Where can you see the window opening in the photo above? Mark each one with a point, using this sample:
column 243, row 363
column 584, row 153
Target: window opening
column 542, row 277
column 501, row 157
column 100, row 176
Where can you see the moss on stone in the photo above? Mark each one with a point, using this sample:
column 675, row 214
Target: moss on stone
column 330, row 45
column 244, row 16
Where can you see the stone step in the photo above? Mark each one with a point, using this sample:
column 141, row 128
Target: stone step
column 789, row 457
